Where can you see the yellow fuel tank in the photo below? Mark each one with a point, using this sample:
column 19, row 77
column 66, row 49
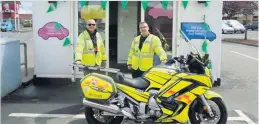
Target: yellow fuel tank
column 158, row 76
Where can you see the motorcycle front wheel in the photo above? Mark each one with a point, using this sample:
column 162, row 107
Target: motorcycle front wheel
column 93, row 116
column 197, row 115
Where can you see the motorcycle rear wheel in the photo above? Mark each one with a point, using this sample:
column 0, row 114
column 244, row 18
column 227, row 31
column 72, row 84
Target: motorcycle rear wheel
column 91, row 119
column 194, row 118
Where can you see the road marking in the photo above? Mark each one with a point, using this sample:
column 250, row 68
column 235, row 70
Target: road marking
column 247, row 119
column 82, row 116
column 236, row 119
column 36, row 115
column 244, row 55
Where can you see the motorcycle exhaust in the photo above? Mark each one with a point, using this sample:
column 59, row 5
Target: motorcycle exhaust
column 109, row 108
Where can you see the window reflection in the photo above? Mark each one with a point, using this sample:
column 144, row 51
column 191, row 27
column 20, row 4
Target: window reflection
column 92, row 10
column 159, row 18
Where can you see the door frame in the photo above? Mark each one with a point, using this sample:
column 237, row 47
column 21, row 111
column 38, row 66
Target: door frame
column 75, row 36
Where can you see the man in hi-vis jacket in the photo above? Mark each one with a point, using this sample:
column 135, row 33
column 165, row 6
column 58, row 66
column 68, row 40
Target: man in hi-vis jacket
column 142, row 51
column 90, row 49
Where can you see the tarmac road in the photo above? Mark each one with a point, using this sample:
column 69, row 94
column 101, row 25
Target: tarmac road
column 251, row 35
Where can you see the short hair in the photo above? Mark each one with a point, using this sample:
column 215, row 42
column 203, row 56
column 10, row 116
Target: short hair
column 87, row 21
column 142, row 23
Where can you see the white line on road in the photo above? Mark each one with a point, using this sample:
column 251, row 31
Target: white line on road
column 79, row 116
column 35, row 115
column 244, row 55
column 236, row 119
column 247, row 119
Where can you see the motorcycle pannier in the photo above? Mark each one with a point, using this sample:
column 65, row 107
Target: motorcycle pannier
column 97, row 87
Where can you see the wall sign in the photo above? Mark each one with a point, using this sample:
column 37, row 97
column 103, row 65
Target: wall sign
column 50, row 30
column 197, row 30
column 8, row 7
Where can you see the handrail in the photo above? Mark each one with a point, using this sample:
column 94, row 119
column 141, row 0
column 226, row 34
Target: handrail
column 25, row 63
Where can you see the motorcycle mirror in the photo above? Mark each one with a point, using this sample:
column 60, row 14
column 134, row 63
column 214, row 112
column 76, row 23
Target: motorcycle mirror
column 205, row 59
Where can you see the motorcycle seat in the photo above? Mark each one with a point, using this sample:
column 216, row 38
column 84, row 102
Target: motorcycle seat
column 138, row 83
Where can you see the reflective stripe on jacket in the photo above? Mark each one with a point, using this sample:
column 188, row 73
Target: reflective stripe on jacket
column 143, row 59
column 85, row 50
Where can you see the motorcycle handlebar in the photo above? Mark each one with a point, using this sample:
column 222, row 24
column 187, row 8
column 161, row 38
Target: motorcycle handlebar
column 174, row 59
column 97, row 68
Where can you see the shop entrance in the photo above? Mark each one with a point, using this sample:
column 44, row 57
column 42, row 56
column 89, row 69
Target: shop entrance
column 122, row 30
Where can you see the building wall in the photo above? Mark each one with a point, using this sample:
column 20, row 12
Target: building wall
column 213, row 15
column 249, row 19
column 52, row 59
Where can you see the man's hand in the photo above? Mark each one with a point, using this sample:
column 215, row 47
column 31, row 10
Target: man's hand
column 129, row 67
column 164, row 61
column 78, row 62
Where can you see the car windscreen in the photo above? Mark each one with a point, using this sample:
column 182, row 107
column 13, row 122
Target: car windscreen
column 224, row 25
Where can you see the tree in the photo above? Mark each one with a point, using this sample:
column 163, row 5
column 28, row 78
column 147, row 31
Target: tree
column 232, row 8
column 248, row 8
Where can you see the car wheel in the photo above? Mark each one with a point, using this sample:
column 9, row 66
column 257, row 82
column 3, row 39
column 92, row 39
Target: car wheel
column 223, row 31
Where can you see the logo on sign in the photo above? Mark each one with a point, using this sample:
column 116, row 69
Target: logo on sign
column 48, row 30
column 196, row 30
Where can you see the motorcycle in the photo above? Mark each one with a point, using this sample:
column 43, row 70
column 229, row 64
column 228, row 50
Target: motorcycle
column 175, row 92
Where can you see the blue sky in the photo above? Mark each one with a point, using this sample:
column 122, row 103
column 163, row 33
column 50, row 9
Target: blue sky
column 26, row 7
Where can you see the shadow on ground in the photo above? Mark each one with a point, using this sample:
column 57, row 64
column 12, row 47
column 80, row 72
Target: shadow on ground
column 47, row 91
column 74, row 109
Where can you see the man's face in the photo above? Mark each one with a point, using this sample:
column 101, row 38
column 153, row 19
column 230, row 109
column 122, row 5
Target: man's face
column 91, row 25
column 143, row 28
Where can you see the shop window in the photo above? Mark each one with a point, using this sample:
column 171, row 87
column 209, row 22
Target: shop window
column 92, row 10
column 159, row 18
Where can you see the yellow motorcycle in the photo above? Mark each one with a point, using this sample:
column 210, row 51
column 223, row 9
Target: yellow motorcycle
column 175, row 92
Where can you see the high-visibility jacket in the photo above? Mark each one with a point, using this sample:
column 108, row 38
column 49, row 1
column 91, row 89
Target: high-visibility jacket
column 143, row 59
column 85, row 50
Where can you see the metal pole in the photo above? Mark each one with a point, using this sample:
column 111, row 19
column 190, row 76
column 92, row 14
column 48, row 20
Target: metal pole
column 175, row 30
column 142, row 11
column 15, row 24
column 1, row 14
column 107, row 34
column 178, row 27
column 25, row 63
column 18, row 16
column 107, row 23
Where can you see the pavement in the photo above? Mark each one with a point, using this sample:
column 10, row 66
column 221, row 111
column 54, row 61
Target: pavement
column 60, row 102
column 252, row 38
column 251, row 35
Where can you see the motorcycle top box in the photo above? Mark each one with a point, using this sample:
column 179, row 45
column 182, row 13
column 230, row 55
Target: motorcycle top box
column 97, row 87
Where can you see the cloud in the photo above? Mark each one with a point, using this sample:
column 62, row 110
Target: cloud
column 25, row 8
column 26, row 4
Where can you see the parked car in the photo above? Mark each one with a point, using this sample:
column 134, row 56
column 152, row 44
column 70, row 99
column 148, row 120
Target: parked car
column 27, row 23
column 238, row 27
column 6, row 26
column 252, row 25
column 226, row 29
